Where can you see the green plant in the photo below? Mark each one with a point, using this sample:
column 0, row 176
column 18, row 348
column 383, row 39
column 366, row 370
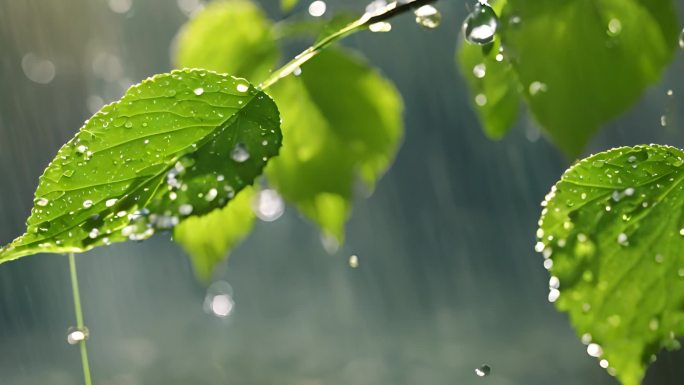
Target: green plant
column 180, row 151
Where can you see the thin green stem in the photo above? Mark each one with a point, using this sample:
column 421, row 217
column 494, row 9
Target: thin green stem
column 79, row 317
column 390, row 10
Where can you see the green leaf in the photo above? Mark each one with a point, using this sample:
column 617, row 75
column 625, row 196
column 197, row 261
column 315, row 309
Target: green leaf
column 493, row 85
column 229, row 36
column 207, row 246
column 583, row 62
column 176, row 144
column 337, row 129
column 612, row 232
column 287, row 5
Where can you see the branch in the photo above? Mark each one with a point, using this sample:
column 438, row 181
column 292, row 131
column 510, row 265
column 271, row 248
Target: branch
column 387, row 12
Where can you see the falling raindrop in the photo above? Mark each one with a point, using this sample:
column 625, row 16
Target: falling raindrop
column 38, row 70
column 219, row 299
column 268, row 205
column 681, row 39
column 76, row 335
column 428, row 16
column 480, row 26
column 483, row 371
column 353, row 261
column 317, row 8
column 239, row 153
column 381, row 26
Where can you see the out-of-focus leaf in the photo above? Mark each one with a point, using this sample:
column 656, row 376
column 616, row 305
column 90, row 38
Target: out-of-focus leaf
column 229, row 36
column 175, row 145
column 583, row 62
column 341, row 121
column 578, row 63
column 207, row 239
column 493, row 87
column 287, row 5
column 612, row 233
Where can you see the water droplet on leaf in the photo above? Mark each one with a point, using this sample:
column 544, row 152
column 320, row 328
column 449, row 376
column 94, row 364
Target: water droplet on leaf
column 428, row 16
column 76, row 335
column 480, row 26
column 239, row 153
column 381, row 26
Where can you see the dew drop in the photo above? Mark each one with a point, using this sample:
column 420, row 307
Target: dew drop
column 594, row 350
column 381, row 26
column 480, row 26
column 198, row 91
column 185, row 209
column 428, row 16
column 483, row 371
column 479, row 71
column 268, row 205
column 239, row 153
column 76, row 335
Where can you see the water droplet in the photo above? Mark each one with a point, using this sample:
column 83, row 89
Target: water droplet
column 41, row 202
column 81, row 149
column 317, row 8
column 198, row 91
column 663, row 120
column 586, row 338
column 554, row 282
column 483, row 371
column 614, row 27
column 353, row 261
column 381, row 26
column 76, row 335
column 428, row 16
column 594, row 350
column 268, row 205
column 185, row 209
column 110, row 202
column 239, row 153
column 219, row 299
column 622, row 239
column 481, row 100
column 537, row 87
column 681, row 231
column 128, row 124
column 120, row 6
column 539, row 247
column 297, row 71
column 242, row 88
column 659, row 258
column 480, row 26
column 87, row 203
column 93, row 233
column 211, row 195
column 598, row 163
column 480, row 70
column 554, row 294
column 38, row 70
column 604, row 363
column 681, row 39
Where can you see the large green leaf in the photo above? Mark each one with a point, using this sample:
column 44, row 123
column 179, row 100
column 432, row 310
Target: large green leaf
column 207, row 246
column 229, row 36
column 341, row 119
column 582, row 62
column 175, row 145
column 612, row 231
column 336, row 129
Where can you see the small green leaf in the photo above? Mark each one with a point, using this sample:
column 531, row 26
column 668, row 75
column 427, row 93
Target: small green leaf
column 176, row 144
column 337, row 129
column 583, row 62
column 229, row 36
column 208, row 238
column 493, row 86
column 612, row 234
column 287, row 5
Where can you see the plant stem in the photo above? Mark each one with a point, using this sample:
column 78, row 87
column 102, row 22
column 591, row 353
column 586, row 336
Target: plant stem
column 79, row 318
column 390, row 10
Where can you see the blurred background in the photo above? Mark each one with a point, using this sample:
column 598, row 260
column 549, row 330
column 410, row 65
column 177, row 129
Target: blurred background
column 447, row 279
